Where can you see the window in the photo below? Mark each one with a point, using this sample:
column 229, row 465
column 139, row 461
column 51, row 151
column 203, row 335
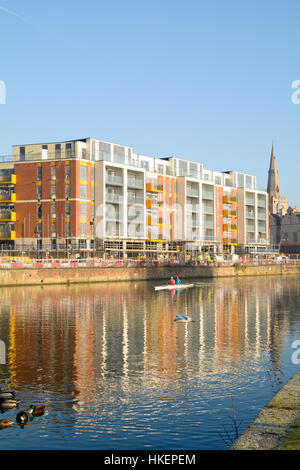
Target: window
column 104, row 151
column 83, row 191
column 39, row 173
column 57, row 150
column 39, row 192
column 68, row 209
column 53, row 190
column 83, row 229
column 68, row 150
column 145, row 165
column 119, row 154
column 68, row 230
column 83, row 210
column 83, row 173
column 218, row 180
column 39, row 229
column 67, row 172
column 53, row 172
column 39, row 211
column 22, row 154
column 53, row 229
column 53, row 211
column 67, row 191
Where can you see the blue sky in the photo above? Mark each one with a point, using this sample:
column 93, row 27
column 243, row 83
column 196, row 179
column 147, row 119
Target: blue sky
column 206, row 81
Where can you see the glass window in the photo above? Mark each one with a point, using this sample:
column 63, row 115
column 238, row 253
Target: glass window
column 68, row 229
column 39, row 173
column 53, row 211
column 39, row 211
column 83, row 229
column 83, row 210
column 104, row 151
column 83, row 191
column 53, row 190
column 53, row 229
column 39, row 192
column 83, row 173
column 68, row 172
column 68, row 209
column 53, row 172
column 67, row 191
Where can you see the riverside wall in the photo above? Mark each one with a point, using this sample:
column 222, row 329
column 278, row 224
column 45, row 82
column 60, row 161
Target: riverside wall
column 76, row 275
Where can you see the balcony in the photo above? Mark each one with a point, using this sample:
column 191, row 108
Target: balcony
column 208, row 195
column 7, row 196
column 154, row 204
column 114, row 198
column 250, row 214
column 229, row 200
column 114, row 179
column 137, row 218
column 135, row 200
column 7, row 216
column 7, row 234
column 191, row 192
column 152, row 187
column 154, row 220
column 192, row 208
column 135, row 183
column 9, row 179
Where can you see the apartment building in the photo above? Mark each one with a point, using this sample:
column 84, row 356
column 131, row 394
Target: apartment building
column 89, row 194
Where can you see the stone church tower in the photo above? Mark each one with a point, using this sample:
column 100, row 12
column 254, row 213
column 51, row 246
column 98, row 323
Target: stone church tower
column 277, row 204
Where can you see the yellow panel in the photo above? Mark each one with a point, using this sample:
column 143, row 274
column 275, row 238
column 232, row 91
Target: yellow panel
column 13, row 235
column 83, row 163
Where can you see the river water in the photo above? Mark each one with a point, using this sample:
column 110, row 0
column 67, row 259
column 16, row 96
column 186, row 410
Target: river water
column 116, row 372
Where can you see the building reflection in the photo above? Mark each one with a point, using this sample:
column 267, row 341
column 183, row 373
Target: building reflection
column 95, row 339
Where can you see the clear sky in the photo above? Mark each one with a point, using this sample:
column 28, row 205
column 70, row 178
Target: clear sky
column 208, row 81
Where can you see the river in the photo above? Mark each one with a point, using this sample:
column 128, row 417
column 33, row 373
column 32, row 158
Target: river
column 115, row 371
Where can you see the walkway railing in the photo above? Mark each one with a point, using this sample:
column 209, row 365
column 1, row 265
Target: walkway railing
column 17, row 263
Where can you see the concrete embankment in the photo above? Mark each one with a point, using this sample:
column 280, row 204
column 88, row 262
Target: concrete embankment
column 277, row 426
column 75, row 275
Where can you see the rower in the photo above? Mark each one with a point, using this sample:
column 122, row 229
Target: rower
column 172, row 282
column 177, row 280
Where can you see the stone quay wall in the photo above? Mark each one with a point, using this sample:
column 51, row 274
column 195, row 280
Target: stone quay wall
column 76, row 275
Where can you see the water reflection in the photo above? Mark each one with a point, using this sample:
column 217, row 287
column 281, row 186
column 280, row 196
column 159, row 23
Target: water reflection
column 109, row 360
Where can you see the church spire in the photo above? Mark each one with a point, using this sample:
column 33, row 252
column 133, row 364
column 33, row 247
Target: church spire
column 273, row 181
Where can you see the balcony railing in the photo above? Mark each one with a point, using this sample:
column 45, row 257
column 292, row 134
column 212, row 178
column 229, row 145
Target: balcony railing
column 190, row 192
column 7, row 196
column 111, row 197
column 135, row 200
column 114, row 179
column 7, row 234
column 135, row 183
column 7, row 216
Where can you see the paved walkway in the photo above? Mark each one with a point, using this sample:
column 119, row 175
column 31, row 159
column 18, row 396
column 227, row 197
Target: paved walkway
column 277, row 426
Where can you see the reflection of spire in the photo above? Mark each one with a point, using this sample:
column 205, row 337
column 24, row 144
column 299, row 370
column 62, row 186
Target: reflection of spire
column 273, row 181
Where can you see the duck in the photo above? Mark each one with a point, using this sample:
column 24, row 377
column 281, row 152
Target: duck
column 9, row 404
column 4, row 394
column 22, row 417
column 36, row 410
column 183, row 318
column 5, row 423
